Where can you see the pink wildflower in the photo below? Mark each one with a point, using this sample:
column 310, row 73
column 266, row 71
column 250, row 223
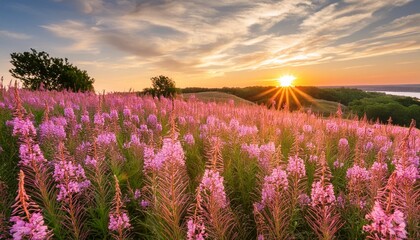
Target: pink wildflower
column 34, row 229
column 296, row 166
column 212, row 186
column 357, row 173
column 386, row 226
column 171, row 151
column 322, row 194
column 70, row 178
column 49, row 129
column 30, row 153
column 189, row 139
column 106, row 138
column 343, row 143
column 273, row 185
column 307, row 128
column 196, row 230
column 118, row 221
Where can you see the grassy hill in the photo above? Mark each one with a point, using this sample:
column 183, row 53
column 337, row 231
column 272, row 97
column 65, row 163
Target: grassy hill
column 325, row 107
column 320, row 106
column 218, row 97
column 373, row 105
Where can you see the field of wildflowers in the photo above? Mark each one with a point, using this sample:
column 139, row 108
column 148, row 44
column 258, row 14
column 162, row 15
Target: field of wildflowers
column 86, row 166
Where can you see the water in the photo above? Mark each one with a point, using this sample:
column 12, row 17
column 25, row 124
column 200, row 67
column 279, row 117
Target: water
column 405, row 94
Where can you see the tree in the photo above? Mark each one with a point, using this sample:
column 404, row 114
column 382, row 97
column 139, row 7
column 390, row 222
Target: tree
column 37, row 69
column 162, row 86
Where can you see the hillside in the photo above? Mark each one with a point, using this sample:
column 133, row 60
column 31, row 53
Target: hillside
column 218, row 97
column 374, row 105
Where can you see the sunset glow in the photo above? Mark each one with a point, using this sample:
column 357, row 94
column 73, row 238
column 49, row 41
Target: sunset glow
column 286, row 80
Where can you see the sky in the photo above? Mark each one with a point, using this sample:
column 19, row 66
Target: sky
column 226, row 43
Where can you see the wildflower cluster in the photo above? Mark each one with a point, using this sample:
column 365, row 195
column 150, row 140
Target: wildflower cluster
column 70, row 178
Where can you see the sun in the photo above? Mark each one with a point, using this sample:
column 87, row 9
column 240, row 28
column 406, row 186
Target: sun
column 286, row 80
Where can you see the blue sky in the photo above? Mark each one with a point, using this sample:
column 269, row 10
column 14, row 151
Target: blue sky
column 123, row 43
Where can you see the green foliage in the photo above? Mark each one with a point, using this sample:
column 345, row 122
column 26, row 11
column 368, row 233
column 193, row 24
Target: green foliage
column 38, row 70
column 383, row 107
column 162, row 86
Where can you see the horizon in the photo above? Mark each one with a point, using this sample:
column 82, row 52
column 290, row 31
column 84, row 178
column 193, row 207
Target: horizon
column 122, row 44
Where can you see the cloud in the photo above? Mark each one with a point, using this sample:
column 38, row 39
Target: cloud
column 85, row 38
column 14, row 35
column 225, row 36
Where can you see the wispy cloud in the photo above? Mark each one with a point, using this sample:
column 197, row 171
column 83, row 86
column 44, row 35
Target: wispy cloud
column 14, row 35
column 225, row 36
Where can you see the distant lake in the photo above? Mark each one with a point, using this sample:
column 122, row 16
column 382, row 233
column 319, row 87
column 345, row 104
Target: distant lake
column 405, row 94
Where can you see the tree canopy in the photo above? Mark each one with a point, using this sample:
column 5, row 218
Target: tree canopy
column 38, row 70
column 162, row 86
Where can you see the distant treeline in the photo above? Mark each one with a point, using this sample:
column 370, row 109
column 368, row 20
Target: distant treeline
column 376, row 106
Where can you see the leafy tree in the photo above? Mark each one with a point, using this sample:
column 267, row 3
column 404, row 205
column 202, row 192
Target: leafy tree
column 162, row 86
column 38, row 69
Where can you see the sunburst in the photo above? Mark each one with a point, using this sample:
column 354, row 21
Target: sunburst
column 285, row 92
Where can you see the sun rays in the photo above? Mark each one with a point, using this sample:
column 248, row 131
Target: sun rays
column 286, row 94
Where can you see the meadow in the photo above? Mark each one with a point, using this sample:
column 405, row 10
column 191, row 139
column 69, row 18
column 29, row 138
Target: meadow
column 122, row 166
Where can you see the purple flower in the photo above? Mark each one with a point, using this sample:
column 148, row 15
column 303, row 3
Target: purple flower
column 338, row 164
column 98, row 119
column 137, row 194
column 113, row 114
column 152, row 120
column 264, row 153
column 91, row 161
column 341, row 201
column 49, row 129
column 196, row 230
column 304, row 199
column 127, row 112
column 134, row 140
column 118, row 221
column 343, row 143
column 307, row 128
column 30, row 154
column 368, row 146
column 70, row 178
column 378, row 168
column 274, row 185
column 234, row 124
column 171, row 151
column 69, row 113
column 85, row 118
column 23, row 127
column 106, row 138
column 407, row 174
column 34, row 229
column 296, row 166
column 332, row 127
column 189, row 139
column 386, row 226
column 252, row 149
column 212, row 185
column 182, row 121
column 144, row 203
column 357, row 173
column 313, row 158
column 247, row 130
column 322, row 194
